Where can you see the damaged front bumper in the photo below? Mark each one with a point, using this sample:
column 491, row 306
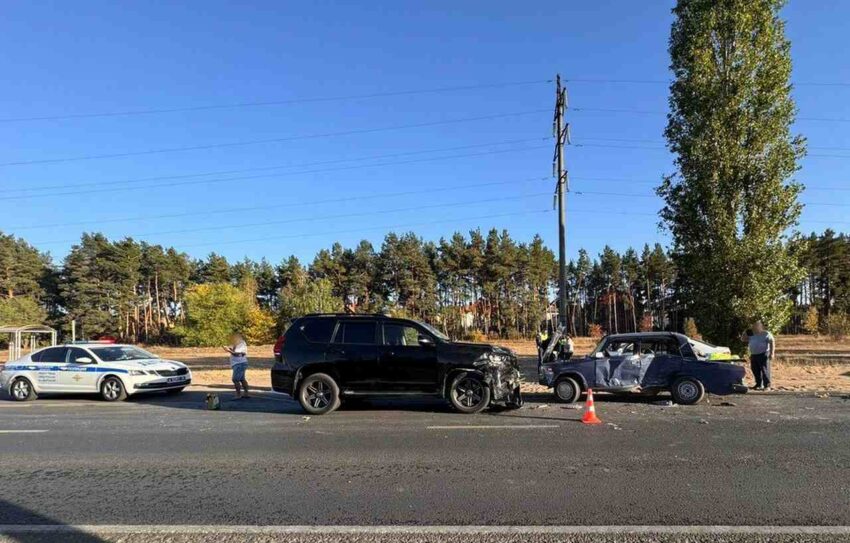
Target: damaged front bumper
column 501, row 373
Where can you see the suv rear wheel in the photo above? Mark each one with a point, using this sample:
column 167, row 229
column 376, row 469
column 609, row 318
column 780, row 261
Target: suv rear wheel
column 318, row 394
column 469, row 393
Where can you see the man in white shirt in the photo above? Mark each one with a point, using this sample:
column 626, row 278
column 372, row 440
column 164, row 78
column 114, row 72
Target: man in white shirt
column 238, row 350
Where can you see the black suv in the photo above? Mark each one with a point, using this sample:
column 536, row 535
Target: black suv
column 324, row 358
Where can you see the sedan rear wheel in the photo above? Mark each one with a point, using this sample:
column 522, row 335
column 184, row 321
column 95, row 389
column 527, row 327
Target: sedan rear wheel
column 22, row 390
column 469, row 393
column 687, row 391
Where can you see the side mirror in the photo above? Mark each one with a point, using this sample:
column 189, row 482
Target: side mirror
column 425, row 341
column 84, row 360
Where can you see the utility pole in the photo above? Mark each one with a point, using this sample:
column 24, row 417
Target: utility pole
column 562, row 137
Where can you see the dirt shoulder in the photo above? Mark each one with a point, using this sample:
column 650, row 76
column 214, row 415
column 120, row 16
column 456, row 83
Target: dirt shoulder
column 804, row 363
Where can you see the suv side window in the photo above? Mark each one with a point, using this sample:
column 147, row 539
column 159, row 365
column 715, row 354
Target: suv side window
column 402, row 335
column 53, row 355
column 318, row 330
column 356, row 332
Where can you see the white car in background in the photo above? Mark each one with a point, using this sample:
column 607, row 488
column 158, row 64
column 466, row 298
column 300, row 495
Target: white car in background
column 114, row 371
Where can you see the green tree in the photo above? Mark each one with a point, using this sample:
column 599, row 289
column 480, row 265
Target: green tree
column 21, row 310
column 303, row 294
column 731, row 201
column 214, row 311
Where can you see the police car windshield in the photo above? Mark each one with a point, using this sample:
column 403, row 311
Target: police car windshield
column 117, row 353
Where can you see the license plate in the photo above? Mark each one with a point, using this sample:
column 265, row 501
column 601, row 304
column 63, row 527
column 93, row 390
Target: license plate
column 176, row 379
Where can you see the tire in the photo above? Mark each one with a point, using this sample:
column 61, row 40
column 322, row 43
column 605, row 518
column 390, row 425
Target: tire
column 112, row 390
column 469, row 393
column 567, row 390
column 175, row 391
column 516, row 401
column 687, row 391
column 22, row 390
column 318, row 394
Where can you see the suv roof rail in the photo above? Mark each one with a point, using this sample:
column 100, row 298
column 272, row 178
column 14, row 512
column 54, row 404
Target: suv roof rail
column 371, row 315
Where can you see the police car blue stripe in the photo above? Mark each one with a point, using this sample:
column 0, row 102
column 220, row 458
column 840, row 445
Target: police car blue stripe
column 94, row 369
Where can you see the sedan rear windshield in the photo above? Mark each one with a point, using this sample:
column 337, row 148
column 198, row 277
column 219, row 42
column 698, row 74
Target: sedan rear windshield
column 118, row 353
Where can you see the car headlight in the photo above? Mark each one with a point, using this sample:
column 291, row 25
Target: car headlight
column 138, row 372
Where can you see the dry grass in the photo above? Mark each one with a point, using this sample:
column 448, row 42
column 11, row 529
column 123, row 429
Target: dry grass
column 804, row 363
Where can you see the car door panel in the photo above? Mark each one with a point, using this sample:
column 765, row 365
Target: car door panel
column 405, row 364
column 355, row 361
column 78, row 376
column 51, row 365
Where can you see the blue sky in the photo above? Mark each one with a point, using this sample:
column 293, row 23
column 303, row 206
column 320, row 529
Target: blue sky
column 64, row 59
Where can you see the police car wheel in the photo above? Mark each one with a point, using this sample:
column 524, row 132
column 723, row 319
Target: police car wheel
column 22, row 390
column 112, row 390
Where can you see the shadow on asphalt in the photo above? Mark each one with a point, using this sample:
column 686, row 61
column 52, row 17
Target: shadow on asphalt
column 21, row 516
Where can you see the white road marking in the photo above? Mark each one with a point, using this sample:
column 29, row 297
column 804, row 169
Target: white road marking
column 494, row 427
column 558, row 530
column 22, row 431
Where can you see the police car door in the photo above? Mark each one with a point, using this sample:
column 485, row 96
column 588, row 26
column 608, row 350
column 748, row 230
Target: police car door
column 80, row 373
column 50, row 363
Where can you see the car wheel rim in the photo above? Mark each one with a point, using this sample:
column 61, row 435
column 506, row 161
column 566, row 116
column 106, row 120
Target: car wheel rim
column 687, row 391
column 21, row 390
column 111, row 390
column 469, row 392
column 318, row 394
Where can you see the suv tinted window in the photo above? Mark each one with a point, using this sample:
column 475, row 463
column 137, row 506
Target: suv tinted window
column 401, row 335
column 53, row 354
column 318, row 330
column 362, row 333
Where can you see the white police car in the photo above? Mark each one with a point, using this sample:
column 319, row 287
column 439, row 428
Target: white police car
column 113, row 371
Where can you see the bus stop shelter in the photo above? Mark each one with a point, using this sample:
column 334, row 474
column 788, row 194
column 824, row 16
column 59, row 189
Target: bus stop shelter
column 21, row 336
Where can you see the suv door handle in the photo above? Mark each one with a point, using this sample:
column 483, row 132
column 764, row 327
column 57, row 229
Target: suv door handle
column 337, row 350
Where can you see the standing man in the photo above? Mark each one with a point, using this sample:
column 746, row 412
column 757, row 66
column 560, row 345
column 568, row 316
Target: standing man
column 238, row 350
column 762, row 348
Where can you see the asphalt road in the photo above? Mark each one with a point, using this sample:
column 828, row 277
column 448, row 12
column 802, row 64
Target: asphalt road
column 766, row 460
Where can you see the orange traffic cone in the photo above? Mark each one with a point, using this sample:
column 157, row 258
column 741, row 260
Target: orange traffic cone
column 590, row 411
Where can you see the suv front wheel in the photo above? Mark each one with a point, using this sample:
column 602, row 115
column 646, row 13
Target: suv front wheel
column 469, row 393
column 318, row 394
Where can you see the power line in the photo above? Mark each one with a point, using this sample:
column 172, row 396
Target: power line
column 358, row 230
column 265, row 176
column 659, row 112
column 279, row 205
column 668, row 81
column 272, row 140
column 133, row 112
column 647, row 140
column 476, row 201
column 268, row 168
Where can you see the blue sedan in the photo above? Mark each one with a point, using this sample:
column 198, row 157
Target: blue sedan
column 647, row 363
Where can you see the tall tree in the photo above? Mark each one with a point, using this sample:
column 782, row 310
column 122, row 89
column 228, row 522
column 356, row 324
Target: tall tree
column 731, row 200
